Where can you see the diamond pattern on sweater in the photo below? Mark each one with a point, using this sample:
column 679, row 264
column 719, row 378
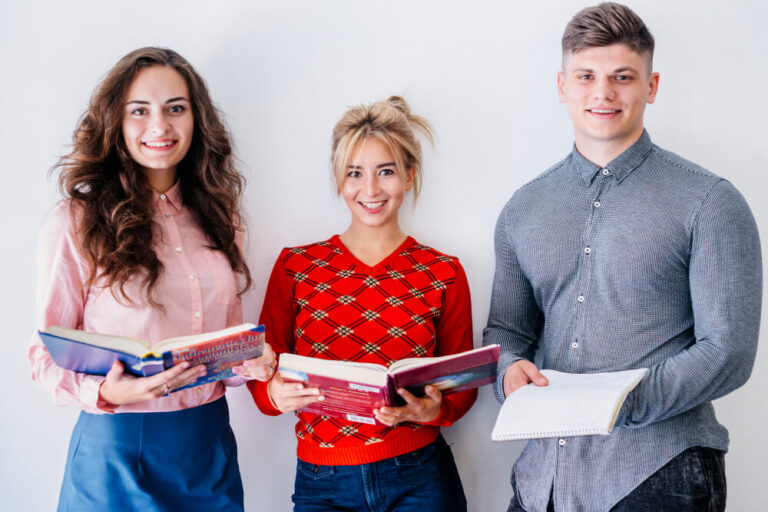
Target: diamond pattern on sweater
column 379, row 314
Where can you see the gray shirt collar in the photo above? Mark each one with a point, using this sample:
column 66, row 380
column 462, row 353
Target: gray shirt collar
column 620, row 167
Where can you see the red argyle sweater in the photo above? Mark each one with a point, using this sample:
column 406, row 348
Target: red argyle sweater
column 323, row 302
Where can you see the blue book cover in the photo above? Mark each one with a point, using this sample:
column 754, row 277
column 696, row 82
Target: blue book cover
column 94, row 353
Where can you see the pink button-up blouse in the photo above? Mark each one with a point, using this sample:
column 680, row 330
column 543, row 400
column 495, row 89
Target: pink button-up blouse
column 197, row 288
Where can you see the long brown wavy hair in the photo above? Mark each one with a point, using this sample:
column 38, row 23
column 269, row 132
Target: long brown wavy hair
column 113, row 197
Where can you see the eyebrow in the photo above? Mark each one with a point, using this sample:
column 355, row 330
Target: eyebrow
column 142, row 102
column 388, row 164
column 617, row 70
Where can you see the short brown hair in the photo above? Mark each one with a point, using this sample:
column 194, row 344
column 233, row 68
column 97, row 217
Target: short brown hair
column 606, row 24
column 391, row 122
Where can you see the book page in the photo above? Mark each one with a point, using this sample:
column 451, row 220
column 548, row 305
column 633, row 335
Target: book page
column 570, row 405
column 193, row 339
column 415, row 362
column 366, row 373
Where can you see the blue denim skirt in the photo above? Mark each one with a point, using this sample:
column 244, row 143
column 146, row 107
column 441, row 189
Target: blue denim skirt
column 161, row 461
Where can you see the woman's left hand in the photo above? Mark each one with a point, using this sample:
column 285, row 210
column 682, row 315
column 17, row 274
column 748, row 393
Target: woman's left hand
column 260, row 368
column 420, row 410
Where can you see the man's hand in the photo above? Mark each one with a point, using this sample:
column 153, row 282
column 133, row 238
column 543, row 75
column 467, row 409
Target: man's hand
column 522, row 373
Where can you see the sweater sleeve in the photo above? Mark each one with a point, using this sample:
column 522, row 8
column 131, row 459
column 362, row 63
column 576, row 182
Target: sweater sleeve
column 61, row 293
column 279, row 318
column 454, row 335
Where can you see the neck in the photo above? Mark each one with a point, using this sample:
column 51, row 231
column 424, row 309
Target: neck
column 161, row 180
column 372, row 244
column 602, row 152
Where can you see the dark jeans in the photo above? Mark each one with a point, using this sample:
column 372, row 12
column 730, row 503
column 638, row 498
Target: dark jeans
column 424, row 480
column 693, row 481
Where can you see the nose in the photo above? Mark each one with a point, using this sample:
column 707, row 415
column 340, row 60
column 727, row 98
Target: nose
column 604, row 89
column 158, row 124
column 371, row 184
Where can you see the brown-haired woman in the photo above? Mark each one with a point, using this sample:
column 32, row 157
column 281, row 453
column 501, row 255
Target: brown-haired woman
column 146, row 245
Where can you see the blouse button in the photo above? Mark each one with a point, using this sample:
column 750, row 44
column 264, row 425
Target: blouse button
column 587, row 250
column 597, row 204
column 178, row 248
column 162, row 196
column 166, row 215
column 561, row 442
column 197, row 314
column 581, row 298
column 606, row 172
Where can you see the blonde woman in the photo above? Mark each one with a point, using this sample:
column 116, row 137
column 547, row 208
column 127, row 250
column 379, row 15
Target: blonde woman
column 371, row 294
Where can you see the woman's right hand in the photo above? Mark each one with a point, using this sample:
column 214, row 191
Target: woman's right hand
column 121, row 388
column 290, row 396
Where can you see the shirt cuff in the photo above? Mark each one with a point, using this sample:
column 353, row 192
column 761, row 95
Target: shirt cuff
column 505, row 361
column 90, row 398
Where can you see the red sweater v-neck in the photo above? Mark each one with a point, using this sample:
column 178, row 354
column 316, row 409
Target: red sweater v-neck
column 323, row 302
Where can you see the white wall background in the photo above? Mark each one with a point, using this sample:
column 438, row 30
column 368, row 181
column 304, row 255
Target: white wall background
column 283, row 72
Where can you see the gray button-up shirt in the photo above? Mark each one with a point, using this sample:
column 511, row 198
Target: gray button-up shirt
column 650, row 262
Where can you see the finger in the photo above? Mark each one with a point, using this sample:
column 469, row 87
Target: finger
column 187, row 377
column 409, row 397
column 387, row 419
column 158, row 379
column 116, row 370
column 534, row 375
column 433, row 393
column 294, row 403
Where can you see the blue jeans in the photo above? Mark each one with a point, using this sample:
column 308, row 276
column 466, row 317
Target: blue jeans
column 422, row 480
column 693, row 481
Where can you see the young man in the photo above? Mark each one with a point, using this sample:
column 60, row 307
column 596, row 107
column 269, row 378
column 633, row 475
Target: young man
column 622, row 256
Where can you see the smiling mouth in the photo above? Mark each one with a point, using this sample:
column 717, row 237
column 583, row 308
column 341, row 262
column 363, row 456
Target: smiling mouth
column 603, row 111
column 159, row 144
column 372, row 207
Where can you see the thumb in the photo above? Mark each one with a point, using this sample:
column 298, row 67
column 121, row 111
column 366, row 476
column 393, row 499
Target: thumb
column 433, row 393
column 536, row 376
column 117, row 368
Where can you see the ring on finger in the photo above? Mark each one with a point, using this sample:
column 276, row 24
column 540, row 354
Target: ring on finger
column 166, row 389
column 270, row 369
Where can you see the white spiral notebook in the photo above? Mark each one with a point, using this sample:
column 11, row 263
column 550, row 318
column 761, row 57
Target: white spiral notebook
column 570, row 405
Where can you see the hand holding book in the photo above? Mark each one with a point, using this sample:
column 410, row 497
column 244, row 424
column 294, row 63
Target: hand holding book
column 521, row 373
column 416, row 409
column 291, row 396
column 120, row 387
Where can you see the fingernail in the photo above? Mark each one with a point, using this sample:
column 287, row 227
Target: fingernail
column 185, row 364
column 320, row 398
column 202, row 371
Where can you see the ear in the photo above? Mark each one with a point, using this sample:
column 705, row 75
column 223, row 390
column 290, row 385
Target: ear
column 409, row 180
column 653, row 87
column 561, row 86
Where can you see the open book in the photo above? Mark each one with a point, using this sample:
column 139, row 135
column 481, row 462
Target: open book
column 353, row 390
column 570, row 405
column 94, row 353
